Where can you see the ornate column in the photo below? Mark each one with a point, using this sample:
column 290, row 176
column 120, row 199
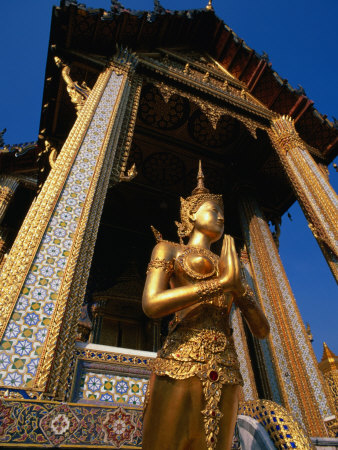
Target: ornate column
column 8, row 186
column 44, row 278
column 312, row 188
column 299, row 380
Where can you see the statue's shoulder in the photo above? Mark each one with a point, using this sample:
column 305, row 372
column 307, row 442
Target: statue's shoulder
column 166, row 250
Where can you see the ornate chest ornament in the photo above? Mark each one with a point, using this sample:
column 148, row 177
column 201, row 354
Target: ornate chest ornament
column 189, row 266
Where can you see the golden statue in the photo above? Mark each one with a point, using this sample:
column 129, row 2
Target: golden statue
column 192, row 398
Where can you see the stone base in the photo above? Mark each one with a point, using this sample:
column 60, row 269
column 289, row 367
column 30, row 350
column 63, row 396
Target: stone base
column 252, row 435
column 325, row 443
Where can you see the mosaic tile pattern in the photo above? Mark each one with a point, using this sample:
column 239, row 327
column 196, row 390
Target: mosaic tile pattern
column 55, row 424
column 270, row 314
column 107, row 354
column 26, row 332
column 113, row 389
column 52, row 424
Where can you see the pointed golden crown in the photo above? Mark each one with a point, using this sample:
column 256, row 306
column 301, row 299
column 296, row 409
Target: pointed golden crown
column 192, row 203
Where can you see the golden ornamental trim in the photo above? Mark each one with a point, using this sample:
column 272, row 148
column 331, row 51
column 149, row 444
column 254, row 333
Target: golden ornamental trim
column 127, row 133
column 285, row 134
column 131, row 174
column 123, row 61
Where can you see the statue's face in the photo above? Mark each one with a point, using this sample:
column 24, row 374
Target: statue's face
column 209, row 220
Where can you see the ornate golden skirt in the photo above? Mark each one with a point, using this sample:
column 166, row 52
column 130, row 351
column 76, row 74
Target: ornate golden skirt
column 201, row 345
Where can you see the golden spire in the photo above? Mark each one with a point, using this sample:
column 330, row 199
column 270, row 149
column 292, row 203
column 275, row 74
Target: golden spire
column 209, row 6
column 328, row 354
column 200, row 188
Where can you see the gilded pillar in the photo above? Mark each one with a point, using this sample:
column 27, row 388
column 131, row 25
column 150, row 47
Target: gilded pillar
column 43, row 281
column 8, row 186
column 299, row 380
column 311, row 186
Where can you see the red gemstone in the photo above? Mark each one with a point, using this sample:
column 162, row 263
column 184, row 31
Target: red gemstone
column 212, row 439
column 213, row 413
column 213, row 375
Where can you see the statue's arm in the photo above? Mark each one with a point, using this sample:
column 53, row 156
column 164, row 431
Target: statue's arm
column 243, row 296
column 158, row 299
column 253, row 314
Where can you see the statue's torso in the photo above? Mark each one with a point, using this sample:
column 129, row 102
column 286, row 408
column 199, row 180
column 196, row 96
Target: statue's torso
column 199, row 336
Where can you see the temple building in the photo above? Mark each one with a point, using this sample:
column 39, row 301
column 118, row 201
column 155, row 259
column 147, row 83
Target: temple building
column 132, row 101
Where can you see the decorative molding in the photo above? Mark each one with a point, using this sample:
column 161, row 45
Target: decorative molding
column 126, row 135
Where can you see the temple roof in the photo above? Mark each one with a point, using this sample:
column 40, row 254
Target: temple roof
column 77, row 28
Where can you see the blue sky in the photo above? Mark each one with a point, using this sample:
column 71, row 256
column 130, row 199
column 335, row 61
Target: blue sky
column 300, row 37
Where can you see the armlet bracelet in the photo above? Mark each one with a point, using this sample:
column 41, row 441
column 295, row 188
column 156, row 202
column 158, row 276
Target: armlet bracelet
column 207, row 290
column 163, row 264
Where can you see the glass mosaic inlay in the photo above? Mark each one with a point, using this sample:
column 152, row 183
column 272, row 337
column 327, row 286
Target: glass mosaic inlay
column 113, row 389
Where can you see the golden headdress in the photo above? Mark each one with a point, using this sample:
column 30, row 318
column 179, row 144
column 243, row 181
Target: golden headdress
column 191, row 204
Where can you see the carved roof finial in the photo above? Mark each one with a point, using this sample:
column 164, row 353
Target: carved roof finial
column 2, row 142
column 308, row 332
column 158, row 8
column 200, row 188
column 209, row 6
